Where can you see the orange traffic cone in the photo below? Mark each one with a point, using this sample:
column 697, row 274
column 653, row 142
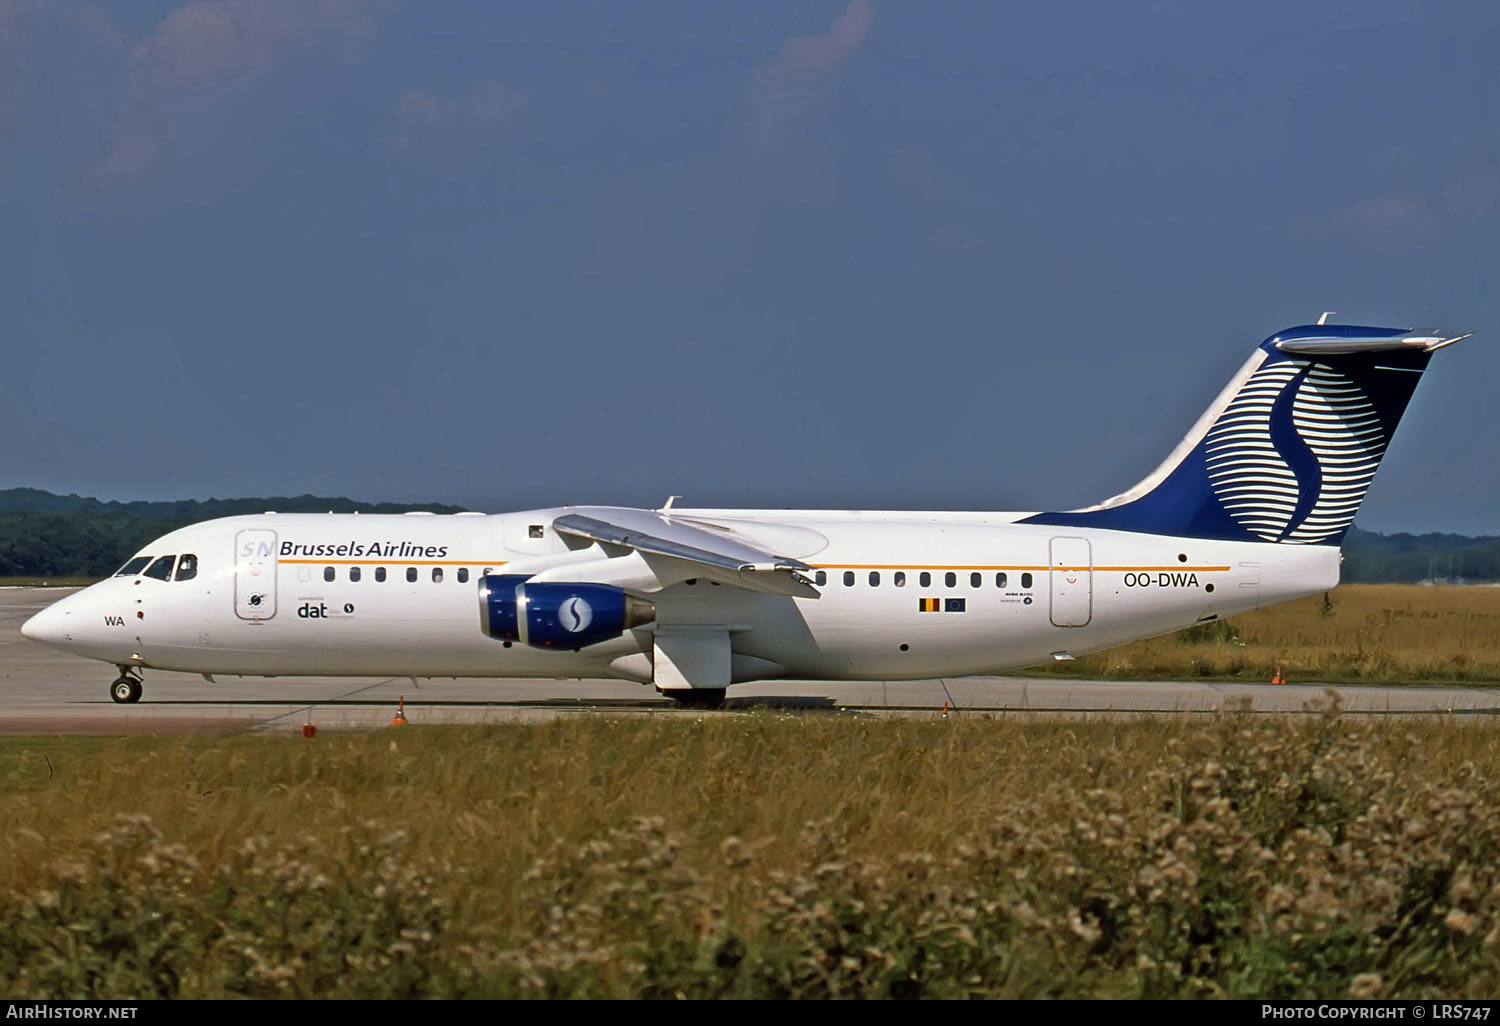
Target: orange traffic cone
column 399, row 720
column 945, row 710
column 1277, row 678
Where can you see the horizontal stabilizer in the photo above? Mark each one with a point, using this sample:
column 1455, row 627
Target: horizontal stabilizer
column 1333, row 345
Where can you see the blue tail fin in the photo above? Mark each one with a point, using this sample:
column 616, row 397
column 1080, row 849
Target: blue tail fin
column 1288, row 449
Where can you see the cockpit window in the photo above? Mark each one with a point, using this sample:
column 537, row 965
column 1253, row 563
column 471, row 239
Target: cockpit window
column 161, row 569
column 187, row 567
column 133, row 567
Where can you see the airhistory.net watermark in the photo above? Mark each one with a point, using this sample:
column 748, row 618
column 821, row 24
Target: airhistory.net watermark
column 52, row 1010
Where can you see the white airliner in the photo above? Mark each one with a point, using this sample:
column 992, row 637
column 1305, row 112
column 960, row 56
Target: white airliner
column 1248, row 510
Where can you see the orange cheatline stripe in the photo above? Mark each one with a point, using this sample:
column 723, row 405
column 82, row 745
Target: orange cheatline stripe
column 917, row 566
column 966, row 566
column 1169, row 566
column 395, row 560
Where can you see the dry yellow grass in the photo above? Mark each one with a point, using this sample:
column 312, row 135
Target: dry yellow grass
column 511, row 792
column 761, row 855
column 1372, row 633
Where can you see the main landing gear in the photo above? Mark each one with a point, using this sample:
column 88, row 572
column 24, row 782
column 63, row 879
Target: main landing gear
column 127, row 686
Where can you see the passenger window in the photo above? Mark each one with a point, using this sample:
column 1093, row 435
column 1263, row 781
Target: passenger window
column 899, row 580
column 999, row 580
column 133, row 567
column 463, row 575
column 848, row 578
column 411, row 575
column 162, row 568
column 1025, row 580
column 925, row 580
column 874, row 578
column 328, row 573
column 354, row 573
column 974, row 580
column 437, row 575
column 380, row 573
column 950, row 579
column 187, row 567
column 821, row 578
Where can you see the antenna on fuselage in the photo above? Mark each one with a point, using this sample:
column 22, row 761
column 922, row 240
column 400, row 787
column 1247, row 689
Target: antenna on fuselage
column 670, row 499
column 1326, row 314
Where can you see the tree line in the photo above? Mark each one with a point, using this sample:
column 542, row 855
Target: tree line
column 47, row 535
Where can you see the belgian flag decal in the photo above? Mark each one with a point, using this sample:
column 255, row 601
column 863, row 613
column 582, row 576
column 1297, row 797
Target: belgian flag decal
column 930, row 605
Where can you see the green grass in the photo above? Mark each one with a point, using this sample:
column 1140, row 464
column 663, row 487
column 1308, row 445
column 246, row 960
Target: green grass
column 760, row 855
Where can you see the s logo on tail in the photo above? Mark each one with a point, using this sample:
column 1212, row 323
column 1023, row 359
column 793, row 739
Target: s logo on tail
column 1300, row 485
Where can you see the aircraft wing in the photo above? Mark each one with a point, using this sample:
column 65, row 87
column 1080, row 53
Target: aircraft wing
column 714, row 552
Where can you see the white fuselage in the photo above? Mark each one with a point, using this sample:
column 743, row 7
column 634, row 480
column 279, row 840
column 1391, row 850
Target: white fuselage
column 1027, row 594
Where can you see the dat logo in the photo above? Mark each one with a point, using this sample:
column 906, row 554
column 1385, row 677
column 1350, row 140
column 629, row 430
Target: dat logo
column 308, row 611
column 575, row 614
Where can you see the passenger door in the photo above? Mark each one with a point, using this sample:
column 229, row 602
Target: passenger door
column 255, row 574
column 1072, row 573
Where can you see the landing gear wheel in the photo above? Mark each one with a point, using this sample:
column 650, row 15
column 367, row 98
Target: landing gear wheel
column 699, row 698
column 126, row 689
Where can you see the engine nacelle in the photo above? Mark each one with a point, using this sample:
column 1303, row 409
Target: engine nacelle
column 558, row 616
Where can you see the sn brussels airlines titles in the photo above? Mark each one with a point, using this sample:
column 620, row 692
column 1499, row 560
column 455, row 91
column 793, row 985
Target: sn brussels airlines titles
column 1248, row 510
column 386, row 550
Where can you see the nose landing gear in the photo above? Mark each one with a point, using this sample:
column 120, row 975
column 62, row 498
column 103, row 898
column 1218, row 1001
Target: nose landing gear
column 127, row 687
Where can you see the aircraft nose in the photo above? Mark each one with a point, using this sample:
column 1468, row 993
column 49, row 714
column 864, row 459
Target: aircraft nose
column 49, row 626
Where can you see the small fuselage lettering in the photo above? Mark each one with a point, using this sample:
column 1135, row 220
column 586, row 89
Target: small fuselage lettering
column 1163, row 579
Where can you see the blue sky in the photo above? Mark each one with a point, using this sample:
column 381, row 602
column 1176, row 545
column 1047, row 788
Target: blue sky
column 816, row 254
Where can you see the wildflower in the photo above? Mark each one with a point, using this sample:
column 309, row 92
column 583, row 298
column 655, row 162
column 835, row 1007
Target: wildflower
column 1280, row 898
column 1460, row 921
column 1084, row 931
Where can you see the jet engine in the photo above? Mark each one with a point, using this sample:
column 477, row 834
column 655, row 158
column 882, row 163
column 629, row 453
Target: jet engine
column 556, row 615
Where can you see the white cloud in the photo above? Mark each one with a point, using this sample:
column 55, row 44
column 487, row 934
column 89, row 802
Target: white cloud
column 790, row 93
column 424, row 122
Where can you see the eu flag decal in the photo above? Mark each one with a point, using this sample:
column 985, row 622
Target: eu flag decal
column 955, row 605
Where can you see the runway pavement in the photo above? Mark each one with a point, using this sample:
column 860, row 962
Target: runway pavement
column 43, row 691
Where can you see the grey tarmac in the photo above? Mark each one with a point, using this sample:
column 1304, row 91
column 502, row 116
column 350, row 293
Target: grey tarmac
column 44, row 691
